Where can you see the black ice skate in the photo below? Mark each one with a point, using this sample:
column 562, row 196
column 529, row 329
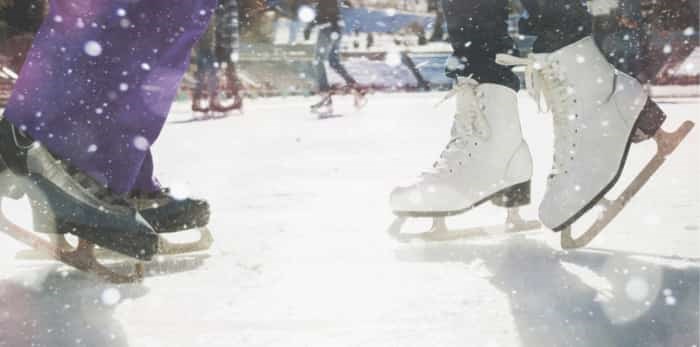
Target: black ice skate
column 169, row 214
column 63, row 200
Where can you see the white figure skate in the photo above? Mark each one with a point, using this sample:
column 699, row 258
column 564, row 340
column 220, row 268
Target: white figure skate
column 598, row 112
column 485, row 160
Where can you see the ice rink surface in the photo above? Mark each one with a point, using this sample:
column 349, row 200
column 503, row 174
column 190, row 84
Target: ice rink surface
column 302, row 256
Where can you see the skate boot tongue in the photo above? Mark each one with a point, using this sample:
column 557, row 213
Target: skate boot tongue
column 546, row 81
column 468, row 128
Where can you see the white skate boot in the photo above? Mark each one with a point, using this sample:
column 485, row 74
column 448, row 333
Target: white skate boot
column 486, row 159
column 598, row 112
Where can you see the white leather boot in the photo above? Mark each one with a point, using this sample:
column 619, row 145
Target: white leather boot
column 486, row 158
column 595, row 110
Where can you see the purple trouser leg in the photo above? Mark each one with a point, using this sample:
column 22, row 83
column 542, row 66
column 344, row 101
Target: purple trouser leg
column 99, row 81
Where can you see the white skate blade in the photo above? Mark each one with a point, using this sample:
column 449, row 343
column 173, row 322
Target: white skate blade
column 165, row 247
column 439, row 232
column 204, row 242
column 666, row 144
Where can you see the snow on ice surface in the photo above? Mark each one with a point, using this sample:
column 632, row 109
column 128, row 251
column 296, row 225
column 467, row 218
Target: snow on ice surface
column 301, row 256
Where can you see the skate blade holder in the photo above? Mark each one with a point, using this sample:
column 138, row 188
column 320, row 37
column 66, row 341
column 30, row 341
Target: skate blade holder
column 81, row 257
column 165, row 247
column 439, row 231
column 666, row 143
column 204, row 242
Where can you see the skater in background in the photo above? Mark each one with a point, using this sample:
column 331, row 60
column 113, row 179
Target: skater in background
column 217, row 88
column 89, row 103
column 330, row 30
column 594, row 106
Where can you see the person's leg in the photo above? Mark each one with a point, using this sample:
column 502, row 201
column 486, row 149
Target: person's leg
column 478, row 32
column 486, row 157
column 205, row 80
column 227, row 34
column 227, row 97
column 334, row 58
column 556, row 23
column 323, row 49
column 100, row 79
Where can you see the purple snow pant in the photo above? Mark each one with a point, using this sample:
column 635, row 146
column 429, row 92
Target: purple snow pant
column 99, row 81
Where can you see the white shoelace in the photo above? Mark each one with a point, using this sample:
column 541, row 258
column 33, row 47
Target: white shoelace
column 546, row 80
column 469, row 126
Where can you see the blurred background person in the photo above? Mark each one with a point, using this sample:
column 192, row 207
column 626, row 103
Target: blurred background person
column 330, row 31
column 217, row 87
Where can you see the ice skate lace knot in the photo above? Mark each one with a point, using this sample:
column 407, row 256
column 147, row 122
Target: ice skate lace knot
column 469, row 128
column 544, row 79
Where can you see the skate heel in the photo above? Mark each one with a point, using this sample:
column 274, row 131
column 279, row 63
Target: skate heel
column 649, row 122
column 514, row 196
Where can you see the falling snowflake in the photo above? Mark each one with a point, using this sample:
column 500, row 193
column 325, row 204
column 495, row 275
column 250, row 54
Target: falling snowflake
column 110, row 296
column 141, row 143
column 92, row 48
column 306, row 14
